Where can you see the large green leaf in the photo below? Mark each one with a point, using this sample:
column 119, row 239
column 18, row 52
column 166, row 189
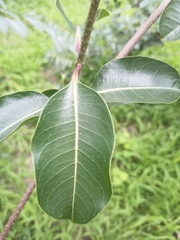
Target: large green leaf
column 137, row 80
column 170, row 22
column 71, row 149
column 17, row 108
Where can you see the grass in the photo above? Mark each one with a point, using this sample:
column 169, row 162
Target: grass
column 145, row 166
column 145, row 176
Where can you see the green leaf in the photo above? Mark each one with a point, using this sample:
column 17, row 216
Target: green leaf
column 17, row 108
column 71, row 149
column 170, row 22
column 71, row 25
column 101, row 13
column 137, row 80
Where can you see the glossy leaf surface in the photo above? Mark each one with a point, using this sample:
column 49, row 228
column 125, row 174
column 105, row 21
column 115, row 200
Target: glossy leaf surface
column 137, row 80
column 170, row 22
column 17, row 108
column 71, row 149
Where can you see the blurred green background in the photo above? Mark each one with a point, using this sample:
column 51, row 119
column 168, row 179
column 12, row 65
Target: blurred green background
column 146, row 162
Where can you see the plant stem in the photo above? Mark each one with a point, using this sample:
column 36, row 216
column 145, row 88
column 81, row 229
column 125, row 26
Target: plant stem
column 87, row 32
column 17, row 210
column 142, row 30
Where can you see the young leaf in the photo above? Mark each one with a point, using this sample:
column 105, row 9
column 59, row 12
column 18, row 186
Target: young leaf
column 137, row 80
column 101, row 13
column 17, row 108
column 71, row 25
column 71, row 150
column 170, row 22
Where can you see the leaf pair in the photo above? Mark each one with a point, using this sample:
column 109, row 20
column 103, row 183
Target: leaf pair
column 128, row 80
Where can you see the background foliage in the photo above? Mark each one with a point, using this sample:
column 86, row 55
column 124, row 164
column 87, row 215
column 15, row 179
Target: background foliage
column 146, row 163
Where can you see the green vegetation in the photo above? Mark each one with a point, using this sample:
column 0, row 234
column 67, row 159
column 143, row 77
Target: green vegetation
column 145, row 166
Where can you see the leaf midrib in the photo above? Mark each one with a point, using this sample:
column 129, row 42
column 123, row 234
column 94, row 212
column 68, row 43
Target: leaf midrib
column 137, row 88
column 76, row 143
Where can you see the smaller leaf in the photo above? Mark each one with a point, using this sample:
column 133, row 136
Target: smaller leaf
column 17, row 108
column 71, row 25
column 137, row 80
column 101, row 13
column 18, row 27
column 170, row 22
column 3, row 25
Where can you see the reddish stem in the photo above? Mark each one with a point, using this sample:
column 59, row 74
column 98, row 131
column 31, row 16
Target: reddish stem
column 76, row 72
column 17, row 211
column 142, row 30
